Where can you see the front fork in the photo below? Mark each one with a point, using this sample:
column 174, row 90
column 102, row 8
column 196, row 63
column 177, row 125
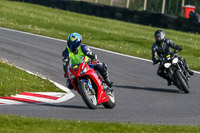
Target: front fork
column 183, row 71
column 89, row 84
column 171, row 74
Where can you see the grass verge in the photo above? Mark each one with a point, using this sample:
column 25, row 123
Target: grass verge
column 122, row 37
column 15, row 81
column 19, row 124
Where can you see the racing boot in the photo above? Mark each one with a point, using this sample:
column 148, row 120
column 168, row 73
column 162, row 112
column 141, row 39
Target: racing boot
column 186, row 67
column 102, row 67
column 190, row 72
column 107, row 79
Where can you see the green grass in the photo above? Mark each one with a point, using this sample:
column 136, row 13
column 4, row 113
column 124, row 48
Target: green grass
column 18, row 124
column 105, row 2
column 118, row 36
column 15, row 81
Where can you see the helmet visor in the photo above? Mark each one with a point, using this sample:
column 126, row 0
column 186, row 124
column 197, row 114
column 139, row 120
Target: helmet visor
column 159, row 38
column 74, row 47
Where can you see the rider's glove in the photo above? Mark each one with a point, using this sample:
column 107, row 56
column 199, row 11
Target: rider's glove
column 177, row 49
column 94, row 61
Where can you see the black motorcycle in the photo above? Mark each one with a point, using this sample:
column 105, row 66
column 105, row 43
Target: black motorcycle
column 175, row 69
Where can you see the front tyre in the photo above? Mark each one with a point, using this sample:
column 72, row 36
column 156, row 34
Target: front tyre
column 112, row 102
column 88, row 95
column 182, row 82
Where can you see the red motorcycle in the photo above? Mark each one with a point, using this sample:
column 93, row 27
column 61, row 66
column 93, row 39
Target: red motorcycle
column 89, row 83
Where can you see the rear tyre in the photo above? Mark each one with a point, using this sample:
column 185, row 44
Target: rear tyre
column 112, row 102
column 88, row 95
column 182, row 82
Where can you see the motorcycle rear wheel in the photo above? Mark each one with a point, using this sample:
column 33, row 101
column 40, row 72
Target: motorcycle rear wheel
column 182, row 82
column 112, row 102
column 88, row 97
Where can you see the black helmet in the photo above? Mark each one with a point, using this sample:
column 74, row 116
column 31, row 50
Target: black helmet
column 159, row 36
column 74, row 41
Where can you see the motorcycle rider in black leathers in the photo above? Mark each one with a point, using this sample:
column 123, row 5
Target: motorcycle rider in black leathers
column 162, row 46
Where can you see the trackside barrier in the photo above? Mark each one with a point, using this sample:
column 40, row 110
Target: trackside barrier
column 124, row 14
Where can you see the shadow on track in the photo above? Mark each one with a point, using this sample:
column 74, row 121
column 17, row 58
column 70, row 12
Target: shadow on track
column 147, row 88
column 65, row 106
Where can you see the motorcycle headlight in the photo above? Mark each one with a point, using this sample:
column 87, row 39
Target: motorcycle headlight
column 175, row 60
column 167, row 65
column 83, row 71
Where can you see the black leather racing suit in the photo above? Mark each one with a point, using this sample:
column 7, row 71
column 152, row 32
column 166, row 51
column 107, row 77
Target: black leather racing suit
column 158, row 50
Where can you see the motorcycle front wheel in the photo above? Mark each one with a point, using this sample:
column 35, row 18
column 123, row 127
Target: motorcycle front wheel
column 88, row 95
column 182, row 82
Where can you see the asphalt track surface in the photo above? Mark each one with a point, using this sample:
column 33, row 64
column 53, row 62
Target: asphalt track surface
column 142, row 97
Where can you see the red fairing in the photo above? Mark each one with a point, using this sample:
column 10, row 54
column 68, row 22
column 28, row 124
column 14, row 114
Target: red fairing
column 90, row 72
column 101, row 97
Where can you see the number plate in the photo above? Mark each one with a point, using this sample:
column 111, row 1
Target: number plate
column 168, row 57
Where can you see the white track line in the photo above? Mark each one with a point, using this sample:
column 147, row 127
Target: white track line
column 7, row 101
column 44, row 100
column 34, row 98
column 90, row 46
